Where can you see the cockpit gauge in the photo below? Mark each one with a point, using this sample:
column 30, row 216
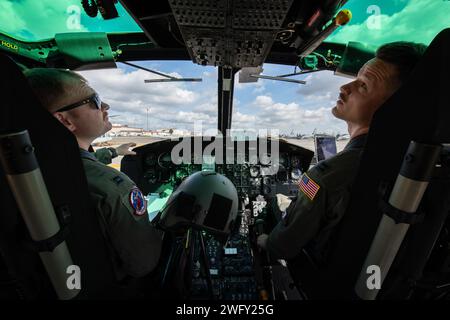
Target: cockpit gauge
column 296, row 174
column 284, row 160
column 295, row 161
column 267, row 181
column 245, row 191
column 181, row 173
column 282, row 174
column 267, row 190
column 255, row 182
column 151, row 159
column 150, row 175
column 269, row 170
column 254, row 171
column 165, row 160
column 265, row 159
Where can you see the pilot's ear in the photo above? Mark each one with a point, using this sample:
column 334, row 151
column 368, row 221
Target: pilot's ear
column 65, row 121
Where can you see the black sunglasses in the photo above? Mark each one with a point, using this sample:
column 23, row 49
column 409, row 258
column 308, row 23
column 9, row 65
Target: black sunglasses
column 94, row 98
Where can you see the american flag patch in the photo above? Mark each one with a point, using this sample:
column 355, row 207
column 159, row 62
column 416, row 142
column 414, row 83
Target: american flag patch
column 308, row 186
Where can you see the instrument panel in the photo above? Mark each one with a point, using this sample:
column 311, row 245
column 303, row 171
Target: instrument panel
column 252, row 173
column 258, row 175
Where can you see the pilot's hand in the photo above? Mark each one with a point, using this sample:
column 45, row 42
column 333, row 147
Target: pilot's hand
column 124, row 149
column 261, row 241
column 283, row 201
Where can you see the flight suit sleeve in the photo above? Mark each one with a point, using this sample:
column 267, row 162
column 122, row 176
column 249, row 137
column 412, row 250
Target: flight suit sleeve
column 105, row 155
column 300, row 224
column 135, row 240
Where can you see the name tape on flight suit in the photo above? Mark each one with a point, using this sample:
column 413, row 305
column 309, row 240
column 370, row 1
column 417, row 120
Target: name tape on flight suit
column 308, row 186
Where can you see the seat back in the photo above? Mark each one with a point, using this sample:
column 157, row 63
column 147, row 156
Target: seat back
column 58, row 156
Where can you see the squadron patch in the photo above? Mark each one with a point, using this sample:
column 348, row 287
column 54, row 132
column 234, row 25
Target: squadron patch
column 308, row 186
column 137, row 201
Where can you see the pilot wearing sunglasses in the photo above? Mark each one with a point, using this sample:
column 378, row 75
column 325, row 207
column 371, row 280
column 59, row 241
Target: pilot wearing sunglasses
column 104, row 155
column 134, row 244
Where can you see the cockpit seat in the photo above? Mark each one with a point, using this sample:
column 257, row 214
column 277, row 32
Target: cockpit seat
column 419, row 111
column 22, row 273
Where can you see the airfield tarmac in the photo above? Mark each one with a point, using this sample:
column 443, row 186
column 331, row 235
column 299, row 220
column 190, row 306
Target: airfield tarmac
column 116, row 141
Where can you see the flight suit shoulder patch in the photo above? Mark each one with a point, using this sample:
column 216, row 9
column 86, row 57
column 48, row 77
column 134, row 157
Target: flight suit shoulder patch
column 137, row 201
column 308, row 186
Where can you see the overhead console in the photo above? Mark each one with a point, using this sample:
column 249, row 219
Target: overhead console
column 230, row 33
column 235, row 34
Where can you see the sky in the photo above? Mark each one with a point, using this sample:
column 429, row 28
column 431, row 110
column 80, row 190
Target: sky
column 267, row 104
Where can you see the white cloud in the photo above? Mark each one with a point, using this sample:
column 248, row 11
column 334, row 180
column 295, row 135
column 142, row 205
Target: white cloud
column 169, row 104
column 113, row 83
column 322, row 85
column 178, row 105
column 315, row 114
column 287, row 117
column 263, row 101
column 207, row 108
column 190, row 117
column 242, row 118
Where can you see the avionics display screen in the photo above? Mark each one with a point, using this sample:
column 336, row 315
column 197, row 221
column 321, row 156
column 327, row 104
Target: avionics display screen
column 157, row 200
column 325, row 147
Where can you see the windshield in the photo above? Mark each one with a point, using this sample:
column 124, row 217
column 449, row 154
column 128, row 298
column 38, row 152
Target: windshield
column 174, row 107
column 32, row 20
column 382, row 21
column 185, row 108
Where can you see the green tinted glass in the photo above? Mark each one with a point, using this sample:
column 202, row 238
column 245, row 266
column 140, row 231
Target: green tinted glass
column 374, row 22
column 382, row 21
column 33, row 20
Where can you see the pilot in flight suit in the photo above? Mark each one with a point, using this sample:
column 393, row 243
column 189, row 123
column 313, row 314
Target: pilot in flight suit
column 323, row 196
column 324, row 190
column 105, row 155
column 133, row 242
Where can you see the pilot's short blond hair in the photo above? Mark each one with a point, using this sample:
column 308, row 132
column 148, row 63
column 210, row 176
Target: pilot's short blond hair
column 56, row 88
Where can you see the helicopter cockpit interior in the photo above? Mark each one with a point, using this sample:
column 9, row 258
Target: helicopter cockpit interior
column 236, row 38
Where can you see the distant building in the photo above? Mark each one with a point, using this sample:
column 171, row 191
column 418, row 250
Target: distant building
column 123, row 130
column 167, row 132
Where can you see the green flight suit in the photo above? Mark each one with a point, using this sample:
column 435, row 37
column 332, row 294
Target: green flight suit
column 105, row 155
column 134, row 244
column 321, row 203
